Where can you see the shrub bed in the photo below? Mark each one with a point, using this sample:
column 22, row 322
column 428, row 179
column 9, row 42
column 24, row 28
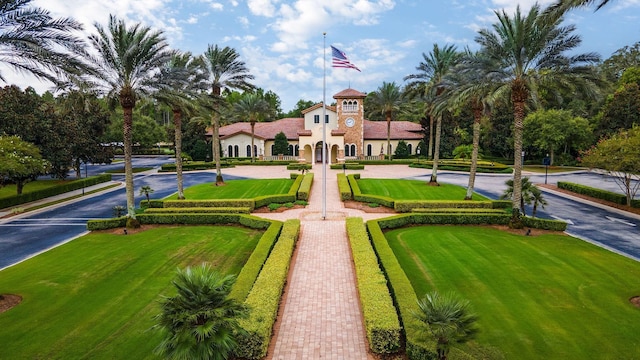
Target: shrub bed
column 298, row 166
column 251, row 269
column 104, row 224
column 249, row 221
column 598, row 193
column 264, row 297
column 408, row 205
column 194, row 165
column 347, row 166
column 380, row 317
column 250, row 203
column 397, row 221
column 455, row 165
column 30, row 196
column 344, row 188
column 544, row 224
column 458, row 210
column 200, row 210
column 358, row 196
column 304, row 192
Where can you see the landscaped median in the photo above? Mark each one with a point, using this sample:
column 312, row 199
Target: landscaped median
column 380, row 318
column 264, row 297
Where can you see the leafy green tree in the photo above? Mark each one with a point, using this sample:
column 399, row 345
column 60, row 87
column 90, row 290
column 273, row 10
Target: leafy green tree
column 225, row 71
column 145, row 131
column 201, row 320
column 297, row 111
column 619, row 156
column 402, row 150
column 556, row 130
column 620, row 111
column 429, row 84
column 254, row 108
column 281, row 144
column 528, row 52
column 447, row 319
column 386, row 101
column 32, row 41
column 624, row 58
column 124, row 67
column 20, row 162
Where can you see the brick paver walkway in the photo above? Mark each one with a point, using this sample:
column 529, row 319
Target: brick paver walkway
column 321, row 317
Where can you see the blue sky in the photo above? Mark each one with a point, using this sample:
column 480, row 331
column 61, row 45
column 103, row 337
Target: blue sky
column 282, row 41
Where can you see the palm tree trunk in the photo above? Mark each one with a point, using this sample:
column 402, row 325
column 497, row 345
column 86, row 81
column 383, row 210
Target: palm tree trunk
column 477, row 113
column 216, row 147
column 128, row 167
column 388, row 136
column 253, row 125
column 430, row 149
column 177, row 121
column 436, row 153
column 517, row 153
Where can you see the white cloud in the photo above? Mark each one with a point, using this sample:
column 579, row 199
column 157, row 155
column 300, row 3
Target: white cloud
column 262, row 7
column 244, row 21
column 192, row 20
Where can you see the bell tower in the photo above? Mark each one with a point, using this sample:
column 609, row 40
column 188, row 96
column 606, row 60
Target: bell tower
column 350, row 113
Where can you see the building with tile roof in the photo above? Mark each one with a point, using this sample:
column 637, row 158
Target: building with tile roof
column 349, row 136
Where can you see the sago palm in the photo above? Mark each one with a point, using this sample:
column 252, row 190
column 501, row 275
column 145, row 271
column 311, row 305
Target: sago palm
column 201, row 321
column 428, row 83
column 225, row 70
column 526, row 52
column 33, row 42
column 387, row 100
column 124, row 64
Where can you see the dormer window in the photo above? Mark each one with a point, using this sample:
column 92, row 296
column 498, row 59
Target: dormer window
column 349, row 106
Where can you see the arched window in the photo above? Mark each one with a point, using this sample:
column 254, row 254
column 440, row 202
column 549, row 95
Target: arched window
column 273, row 149
column 410, row 148
column 297, row 151
column 236, row 151
column 248, row 150
column 347, row 150
column 230, row 151
column 353, row 150
column 290, row 150
column 369, row 150
column 349, row 106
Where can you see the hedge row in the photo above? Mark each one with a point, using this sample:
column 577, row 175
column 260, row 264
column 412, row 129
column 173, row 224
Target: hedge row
column 229, row 203
column 359, row 196
column 249, row 221
column 264, row 298
column 251, row 269
column 408, row 205
column 598, row 193
column 298, row 166
column 30, row 196
column 265, row 200
column 380, row 317
column 544, row 224
column 397, row 221
column 403, row 294
column 344, row 188
column 304, row 192
column 199, row 210
column 347, row 166
column 453, row 165
column 457, row 210
column 194, row 165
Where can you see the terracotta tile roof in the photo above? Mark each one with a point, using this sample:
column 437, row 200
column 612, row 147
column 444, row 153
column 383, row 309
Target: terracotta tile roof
column 318, row 106
column 349, row 93
column 400, row 130
column 337, row 132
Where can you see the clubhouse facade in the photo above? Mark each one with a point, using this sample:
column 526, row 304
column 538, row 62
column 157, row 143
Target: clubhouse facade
column 349, row 136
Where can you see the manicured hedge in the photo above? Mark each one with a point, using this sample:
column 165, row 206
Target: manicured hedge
column 457, row 210
column 397, row 221
column 344, row 188
column 265, row 200
column 264, row 297
column 194, row 165
column 249, row 221
column 104, row 224
column 408, row 205
column 456, row 165
column 380, row 317
column 30, row 196
column 347, row 166
column 359, row 196
column 544, row 224
column 404, row 296
column 298, row 166
column 209, row 210
column 250, row 203
column 304, row 192
column 251, row 269
column 598, row 193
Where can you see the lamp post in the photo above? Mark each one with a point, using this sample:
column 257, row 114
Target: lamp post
column 546, row 162
column 418, row 152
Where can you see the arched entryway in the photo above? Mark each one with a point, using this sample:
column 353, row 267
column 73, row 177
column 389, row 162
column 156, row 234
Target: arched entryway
column 318, row 152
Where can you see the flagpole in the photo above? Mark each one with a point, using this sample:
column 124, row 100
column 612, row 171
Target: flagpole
column 324, row 126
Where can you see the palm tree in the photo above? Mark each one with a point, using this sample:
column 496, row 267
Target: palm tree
column 537, row 199
column 447, row 319
column 386, row 100
column 33, row 42
column 254, row 108
column 531, row 194
column 428, row 83
column 185, row 76
column 525, row 53
column 225, row 70
column 560, row 7
column 146, row 190
column 124, row 67
column 201, row 320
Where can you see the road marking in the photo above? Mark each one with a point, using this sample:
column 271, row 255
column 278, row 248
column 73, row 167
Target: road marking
column 561, row 219
column 620, row 221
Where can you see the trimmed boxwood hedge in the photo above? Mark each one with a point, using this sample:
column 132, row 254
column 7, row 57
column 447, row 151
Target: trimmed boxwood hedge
column 458, row 210
column 194, row 165
column 265, row 200
column 347, row 166
column 30, row 196
column 344, row 188
column 249, row 221
column 403, row 206
column 298, row 166
column 304, row 192
column 250, row 203
column 359, row 196
column 210, row 210
column 264, row 297
column 456, row 165
column 408, row 219
column 380, row 317
column 251, row 269
column 544, row 224
column 403, row 294
column 598, row 193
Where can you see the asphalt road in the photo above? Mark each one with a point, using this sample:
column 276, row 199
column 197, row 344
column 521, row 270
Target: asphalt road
column 33, row 233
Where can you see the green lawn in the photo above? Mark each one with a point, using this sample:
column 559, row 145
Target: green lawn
column 546, row 297
column 95, row 297
column 400, row 189
column 237, row 189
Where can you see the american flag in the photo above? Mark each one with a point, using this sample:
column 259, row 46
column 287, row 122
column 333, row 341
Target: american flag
column 340, row 59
